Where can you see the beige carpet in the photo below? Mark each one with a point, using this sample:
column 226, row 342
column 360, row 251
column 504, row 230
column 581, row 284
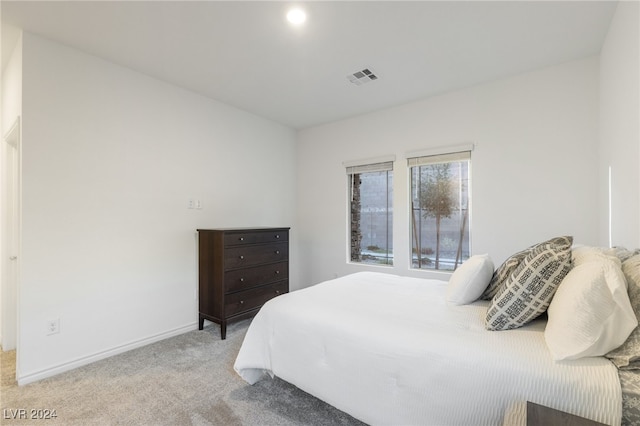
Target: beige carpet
column 7, row 369
column 184, row 380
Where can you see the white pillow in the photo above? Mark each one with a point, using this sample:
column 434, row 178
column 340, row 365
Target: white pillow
column 470, row 280
column 590, row 313
column 583, row 254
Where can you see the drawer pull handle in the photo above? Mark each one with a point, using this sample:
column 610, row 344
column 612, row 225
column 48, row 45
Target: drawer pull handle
column 241, row 257
column 277, row 291
column 277, row 251
column 241, row 238
column 242, row 302
column 277, row 236
column 277, row 272
column 241, row 280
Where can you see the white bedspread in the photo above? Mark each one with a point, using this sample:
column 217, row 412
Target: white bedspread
column 389, row 350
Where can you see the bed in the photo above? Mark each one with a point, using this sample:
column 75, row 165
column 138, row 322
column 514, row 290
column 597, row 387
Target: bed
column 391, row 350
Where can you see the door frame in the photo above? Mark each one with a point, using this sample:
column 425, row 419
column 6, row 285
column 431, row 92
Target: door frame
column 11, row 236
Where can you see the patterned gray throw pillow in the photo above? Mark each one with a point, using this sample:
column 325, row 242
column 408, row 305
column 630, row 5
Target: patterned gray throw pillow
column 528, row 291
column 508, row 267
column 627, row 356
column 502, row 273
column 621, row 252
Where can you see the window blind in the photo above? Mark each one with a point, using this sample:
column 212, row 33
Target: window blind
column 379, row 164
column 376, row 167
column 439, row 158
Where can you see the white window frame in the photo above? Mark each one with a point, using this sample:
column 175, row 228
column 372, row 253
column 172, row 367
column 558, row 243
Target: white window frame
column 376, row 164
column 441, row 154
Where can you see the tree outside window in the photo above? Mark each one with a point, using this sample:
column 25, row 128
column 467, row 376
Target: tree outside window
column 440, row 210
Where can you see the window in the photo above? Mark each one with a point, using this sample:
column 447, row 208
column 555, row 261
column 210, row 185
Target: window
column 371, row 213
column 440, row 210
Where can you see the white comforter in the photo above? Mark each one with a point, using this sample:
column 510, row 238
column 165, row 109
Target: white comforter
column 389, row 350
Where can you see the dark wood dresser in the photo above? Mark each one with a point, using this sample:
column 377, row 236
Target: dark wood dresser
column 539, row 415
column 239, row 271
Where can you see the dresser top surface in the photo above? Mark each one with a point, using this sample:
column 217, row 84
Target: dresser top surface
column 284, row 228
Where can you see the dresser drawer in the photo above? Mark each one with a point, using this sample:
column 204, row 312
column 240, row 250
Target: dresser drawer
column 253, row 237
column 254, row 298
column 242, row 279
column 239, row 257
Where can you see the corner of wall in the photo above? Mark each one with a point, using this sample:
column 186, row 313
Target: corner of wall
column 619, row 129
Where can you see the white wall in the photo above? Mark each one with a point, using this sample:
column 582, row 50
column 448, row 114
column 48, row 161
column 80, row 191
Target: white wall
column 110, row 159
column 532, row 170
column 11, row 100
column 620, row 127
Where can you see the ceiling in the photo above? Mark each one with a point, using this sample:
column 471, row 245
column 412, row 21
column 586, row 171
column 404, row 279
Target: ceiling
column 245, row 53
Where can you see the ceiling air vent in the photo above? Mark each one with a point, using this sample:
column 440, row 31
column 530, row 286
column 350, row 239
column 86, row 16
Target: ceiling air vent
column 361, row 77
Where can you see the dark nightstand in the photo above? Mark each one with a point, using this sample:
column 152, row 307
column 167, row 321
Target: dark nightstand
column 539, row 415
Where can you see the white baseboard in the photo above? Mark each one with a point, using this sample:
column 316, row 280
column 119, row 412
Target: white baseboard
column 43, row 374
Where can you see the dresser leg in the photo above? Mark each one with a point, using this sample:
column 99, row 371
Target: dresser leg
column 201, row 323
column 223, row 330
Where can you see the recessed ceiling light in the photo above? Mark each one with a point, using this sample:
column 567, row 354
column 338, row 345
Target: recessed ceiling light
column 296, row 16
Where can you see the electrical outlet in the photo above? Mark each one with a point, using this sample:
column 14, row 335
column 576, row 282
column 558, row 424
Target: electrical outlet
column 191, row 203
column 53, row 326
